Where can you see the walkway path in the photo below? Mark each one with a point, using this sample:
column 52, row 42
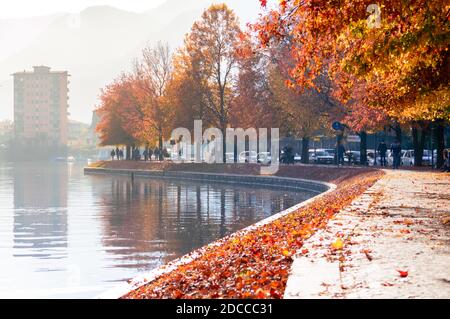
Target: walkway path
column 401, row 224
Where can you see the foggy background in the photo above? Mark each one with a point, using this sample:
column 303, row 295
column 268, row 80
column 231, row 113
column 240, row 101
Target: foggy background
column 93, row 40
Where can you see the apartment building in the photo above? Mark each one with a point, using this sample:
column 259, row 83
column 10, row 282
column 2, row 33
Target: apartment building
column 41, row 107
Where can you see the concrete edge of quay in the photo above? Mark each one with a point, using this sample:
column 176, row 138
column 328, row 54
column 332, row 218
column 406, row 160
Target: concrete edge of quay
column 265, row 181
column 321, row 188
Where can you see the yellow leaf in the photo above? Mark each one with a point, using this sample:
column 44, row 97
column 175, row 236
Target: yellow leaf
column 338, row 244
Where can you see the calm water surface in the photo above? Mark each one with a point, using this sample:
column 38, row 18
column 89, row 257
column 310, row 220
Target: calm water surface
column 67, row 235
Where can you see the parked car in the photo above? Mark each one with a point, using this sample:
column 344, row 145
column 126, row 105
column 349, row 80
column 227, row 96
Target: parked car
column 322, row 157
column 264, row 158
column 352, row 157
column 371, row 158
column 229, row 157
column 312, row 156
column 248, row 157
column 297, row 158
column 408, row 158
column 390, row 158
column 428, row 158
column 331, row 151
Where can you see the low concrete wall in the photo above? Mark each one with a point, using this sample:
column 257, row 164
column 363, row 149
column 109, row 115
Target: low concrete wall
column 265, row 181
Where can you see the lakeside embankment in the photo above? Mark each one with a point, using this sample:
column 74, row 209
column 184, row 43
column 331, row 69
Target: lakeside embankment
column 256, row 263
column 327, row 174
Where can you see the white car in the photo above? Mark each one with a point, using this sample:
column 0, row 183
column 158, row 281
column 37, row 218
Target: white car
column 229, row 157
column 312, row 156
column 264, row 158
column 248, row 157
column 322, row 157
column 408, row 158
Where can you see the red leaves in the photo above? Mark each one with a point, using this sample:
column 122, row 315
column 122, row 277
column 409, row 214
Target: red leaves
column 335, row 37
column 255, row 264
column 403, row 273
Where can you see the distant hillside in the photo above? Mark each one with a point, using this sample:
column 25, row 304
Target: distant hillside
column 95, row 46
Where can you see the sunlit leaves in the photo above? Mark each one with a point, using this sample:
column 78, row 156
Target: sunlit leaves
column 401, row 62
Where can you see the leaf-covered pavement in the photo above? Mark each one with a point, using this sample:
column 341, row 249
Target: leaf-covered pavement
column 393, row 240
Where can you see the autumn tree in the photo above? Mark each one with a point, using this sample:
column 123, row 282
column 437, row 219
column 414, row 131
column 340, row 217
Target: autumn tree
column 112, row 126
column 186, row 91
column 252, row 105
column 300, row 114
column 152, row 74
column 209, row 48
column 398, row 49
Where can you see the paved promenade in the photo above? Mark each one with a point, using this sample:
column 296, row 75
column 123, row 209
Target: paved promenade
column 393, row 242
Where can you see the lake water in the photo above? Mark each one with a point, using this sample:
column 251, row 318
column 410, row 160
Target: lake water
column 67, row 235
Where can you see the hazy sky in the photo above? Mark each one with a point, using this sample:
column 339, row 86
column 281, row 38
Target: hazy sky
column 23, row 51
column 28, row 8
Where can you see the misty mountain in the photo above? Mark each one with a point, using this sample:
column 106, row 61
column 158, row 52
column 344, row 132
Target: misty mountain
column 95, row 46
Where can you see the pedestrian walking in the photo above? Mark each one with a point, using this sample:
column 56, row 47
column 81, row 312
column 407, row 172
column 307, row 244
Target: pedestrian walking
column 396, row 150
column 382, row 150
column 341, row 153
column 156, row 152
column 150, row 154
column 137, row 154
column 113, row 154
column 146, row 155
column 446, row 166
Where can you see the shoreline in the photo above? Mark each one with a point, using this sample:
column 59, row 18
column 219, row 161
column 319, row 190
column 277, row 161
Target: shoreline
column 261, row 181
column 323, row 189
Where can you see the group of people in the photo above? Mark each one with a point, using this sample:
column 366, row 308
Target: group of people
column 396, row 151
column 117, row 153
column 148, row 154
column 136, row 154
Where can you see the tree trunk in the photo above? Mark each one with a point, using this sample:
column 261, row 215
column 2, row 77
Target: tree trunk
column 363, row 148
column 423, row 136
column 398, row 132
column 439, row 133
column 161, row 155
column 305, row 150
column 224, row 145
column 128, row 152
column 415, row 137
column 419, row 136
column 340, row 138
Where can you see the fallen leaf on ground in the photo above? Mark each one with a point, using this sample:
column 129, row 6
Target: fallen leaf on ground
column 368, row 255
column 338, row 244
